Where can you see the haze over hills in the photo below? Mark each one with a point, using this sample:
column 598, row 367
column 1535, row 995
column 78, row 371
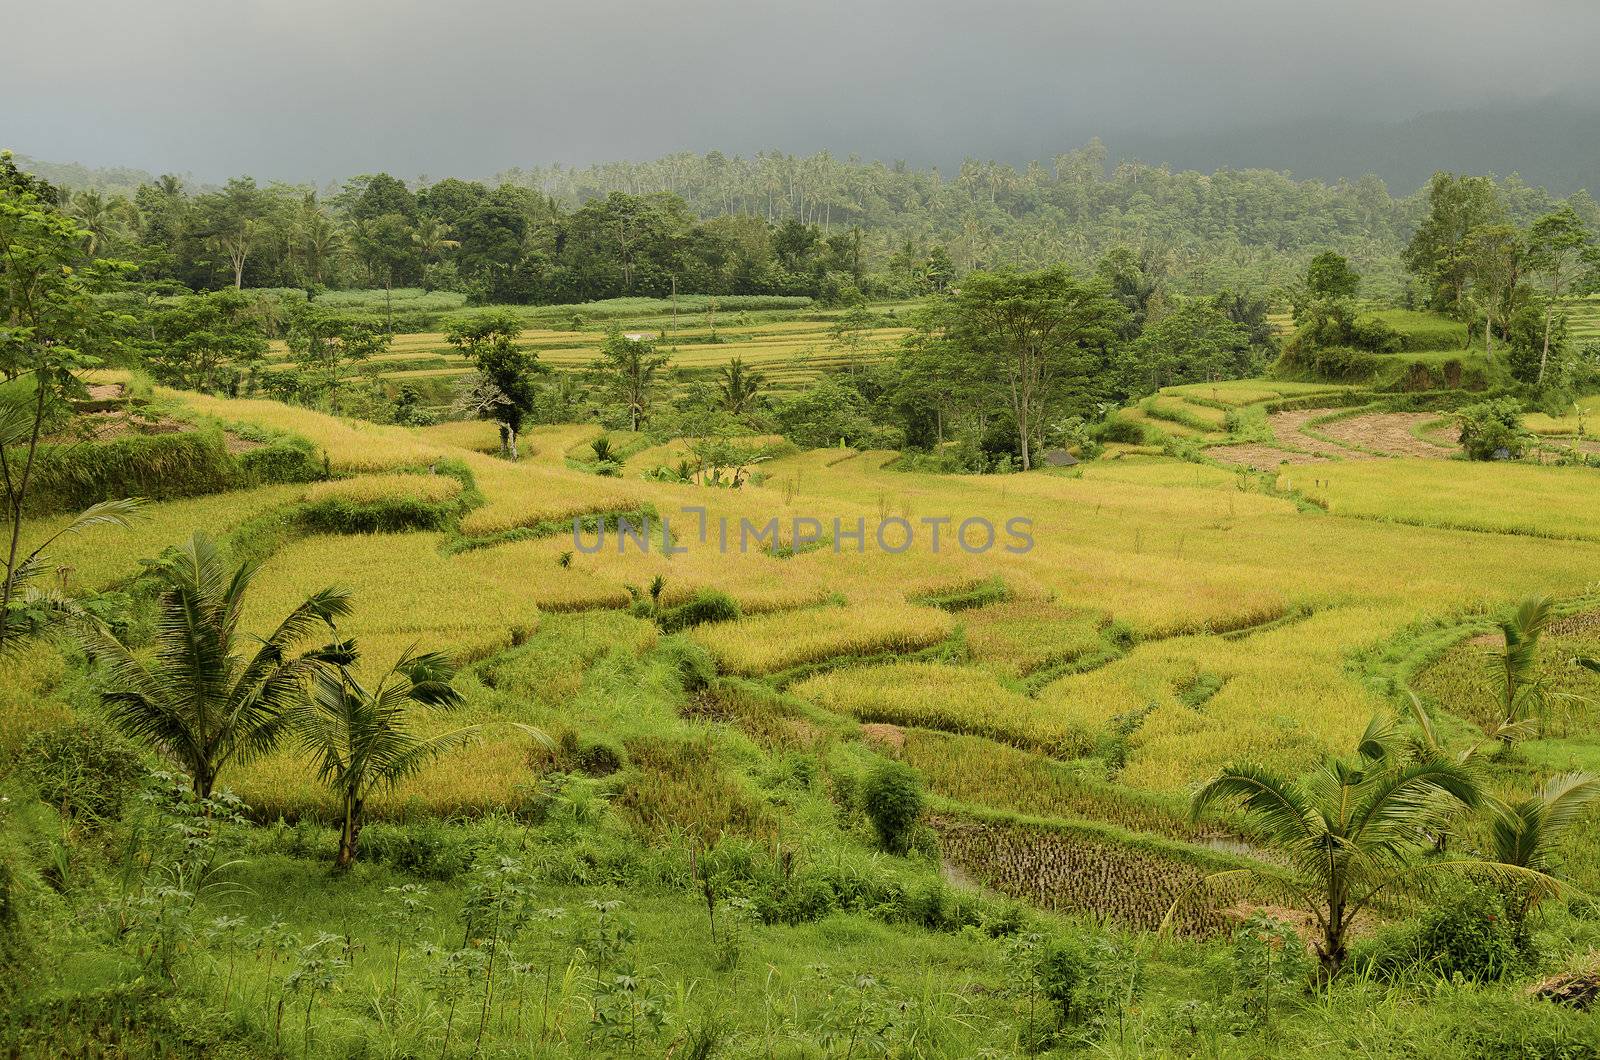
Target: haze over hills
column 1552, row 144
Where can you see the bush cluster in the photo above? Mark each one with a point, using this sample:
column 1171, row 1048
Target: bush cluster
column 707, row 605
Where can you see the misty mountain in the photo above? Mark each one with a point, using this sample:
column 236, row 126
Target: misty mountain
column 1554, row 145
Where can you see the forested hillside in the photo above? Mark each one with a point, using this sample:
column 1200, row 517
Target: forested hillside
column 770, row 224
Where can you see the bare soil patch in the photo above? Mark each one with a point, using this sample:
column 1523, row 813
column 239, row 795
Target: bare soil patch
column 1260, row 457
column 1286, row 427
column 1389, row 433
column 107, row 391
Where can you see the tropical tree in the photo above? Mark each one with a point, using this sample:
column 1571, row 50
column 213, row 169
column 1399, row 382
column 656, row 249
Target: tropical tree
column 739, row 388
column 1036, row 334
column 1436, row 254
column 1352, row 830
column 1195, row 343
column 325, row 343
column 627, row 370
column 387, row 246
column 1560, row 257
column 204, row 693
column 1526, row 833
column 432, row 238
column 1515, row 666
column 503, row 387
column 206, row 340
column 52, row 327
column 319, row 239
column 1496, row 255
column 360, row 739
column 236, row 220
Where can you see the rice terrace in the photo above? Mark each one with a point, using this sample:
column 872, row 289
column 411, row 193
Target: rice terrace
column 788, row 606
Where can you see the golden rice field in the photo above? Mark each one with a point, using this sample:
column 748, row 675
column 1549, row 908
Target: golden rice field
column 958, row 699
column 367, row 489
column 1213, row 620
column 1583, row 420
column 769, row 643
column 1497, row 497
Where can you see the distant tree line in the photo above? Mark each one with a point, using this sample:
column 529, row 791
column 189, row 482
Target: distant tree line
column 770, row 224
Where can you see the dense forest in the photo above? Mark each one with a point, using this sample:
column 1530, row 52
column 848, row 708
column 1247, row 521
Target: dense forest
column 771, row 224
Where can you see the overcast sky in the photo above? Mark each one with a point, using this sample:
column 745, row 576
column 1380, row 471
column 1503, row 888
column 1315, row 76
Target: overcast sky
column 316, row 89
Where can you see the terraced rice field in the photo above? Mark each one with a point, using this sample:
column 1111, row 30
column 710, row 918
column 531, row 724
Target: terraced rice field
column 790, row 353
column 1170, row 616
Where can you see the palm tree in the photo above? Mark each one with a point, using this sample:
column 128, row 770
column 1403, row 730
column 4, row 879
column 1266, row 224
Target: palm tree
column 24, row 606
column 201, row 697
column 321, row 239
column 359, row 738
column 739, row 389
column 1350, row 830
column 1525, row 833
column 1521, row 697
column 432, row 237
column 96, row 216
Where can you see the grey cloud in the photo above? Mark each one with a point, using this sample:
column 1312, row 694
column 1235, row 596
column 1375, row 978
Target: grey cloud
column 300, row 90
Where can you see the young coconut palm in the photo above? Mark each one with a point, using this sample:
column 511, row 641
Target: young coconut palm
column 1351, row 829
column 1515, row 667
column 209, row 697
column 1525, row 833
column 359, row 738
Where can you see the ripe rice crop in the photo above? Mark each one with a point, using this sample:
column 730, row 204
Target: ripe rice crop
column 1583, row 418
column 1019, row 637
column 1281, row 696
column 956, row 699
column 404, row 590
column 480, row 436
column 1250, row 391
column 528, row 494
column 769, row 643
column 531, row 568
column 102, row 556
column 1509, row 498
column 971, row 769
column 369, row 489
column 350, row 445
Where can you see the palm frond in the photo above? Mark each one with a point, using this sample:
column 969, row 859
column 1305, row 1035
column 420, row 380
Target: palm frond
column 1278, row 806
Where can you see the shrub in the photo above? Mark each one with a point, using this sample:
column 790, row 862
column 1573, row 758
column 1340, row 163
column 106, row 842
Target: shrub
column 1119, row 430
column 428, row 848
column 892, row 797
column 594, row 757
column 1492, row 430
column 1465, row 933
column 285, row 461
column 707, row 605
column 695, row 667
column 1468, row 933
column 84, row 768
